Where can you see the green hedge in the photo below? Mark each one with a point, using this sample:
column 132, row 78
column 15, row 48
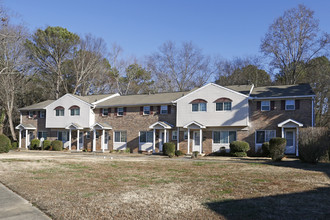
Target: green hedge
column 239, row 148
column 239, row 154
column 277, row 148
column 57, row 145
column 178, row 153
column 265, row 149
column 46, row 145
column 169, row 149
column 5, row 144
column 34, row 145
column 14, row 145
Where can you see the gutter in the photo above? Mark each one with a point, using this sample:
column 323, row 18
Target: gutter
column 282, row 97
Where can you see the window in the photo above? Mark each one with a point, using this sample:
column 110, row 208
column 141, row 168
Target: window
column 163, row 109
column 88, row 135
column 63, row 136
column 264, row 136
column 121, row 136
column 42, row 134
column 199, row 107
column 265, row 105
column 146, row 110
column 185, row 135
column 289, row 105
column 174, row 135
column 224, row 137
column 97, row 134
column 105, row 111
column 59, row 111
column 146, row 137
column 223, row 106
column 120, row 111
column 42, row 114
column 30, row 114
column 75, row 111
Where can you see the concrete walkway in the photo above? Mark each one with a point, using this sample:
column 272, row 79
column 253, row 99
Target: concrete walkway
column 14, row 207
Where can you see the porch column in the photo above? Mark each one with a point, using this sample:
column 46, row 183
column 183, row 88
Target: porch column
column 200, row 140
column 103, row 138
column 188, row 140
column 94, row 140
column 70, row 139
column 282, row 132
column 297, row 138
column 77, row 139
column 165, row 136
column 20, row 138
column 178, row 138
column 26, row 138
column 154, row 141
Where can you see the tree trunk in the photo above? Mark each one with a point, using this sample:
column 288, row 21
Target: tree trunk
column 2, row 120
column 11, row 125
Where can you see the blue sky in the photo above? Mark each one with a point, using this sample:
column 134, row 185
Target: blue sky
column 226, row 28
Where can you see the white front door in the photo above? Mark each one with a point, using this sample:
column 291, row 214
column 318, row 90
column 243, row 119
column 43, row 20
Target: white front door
column 196, row 142
column 290, row 142
column 106, row 140
column 161, row 141
column 81, row 140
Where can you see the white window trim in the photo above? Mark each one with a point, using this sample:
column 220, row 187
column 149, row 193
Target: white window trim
column 255, row 135
column 120, row 111
column 146, row 137
column 103, row 112
column 294, row 105
column 43, row 114
column 161, row 110
column 145, row 110
column 223, row 107
column 220, row 136
column 30, row 114
column 88, row 138
column 74, row 113
column 59, row 114
column 265, row 105
column 114, row 137
column 184, row 135
column 173, row 132
column 199, row 109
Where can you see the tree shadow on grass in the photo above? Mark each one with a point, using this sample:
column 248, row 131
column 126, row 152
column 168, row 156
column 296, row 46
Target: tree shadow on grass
column 313, row 204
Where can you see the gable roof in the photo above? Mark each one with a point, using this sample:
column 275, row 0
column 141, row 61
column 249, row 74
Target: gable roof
column 143, row 99
column 92, row 98
column 244, row 89
column 283, row 91
column 37, row 106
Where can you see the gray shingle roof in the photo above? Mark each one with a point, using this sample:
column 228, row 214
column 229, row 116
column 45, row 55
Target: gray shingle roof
column 92, row 98
column 145, row 99
column 282, row 91
column 37, row 106
column 244, row 89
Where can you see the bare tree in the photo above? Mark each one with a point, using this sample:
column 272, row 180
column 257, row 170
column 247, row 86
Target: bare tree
column 12, row 67
column 179, row 69
column 292, row 40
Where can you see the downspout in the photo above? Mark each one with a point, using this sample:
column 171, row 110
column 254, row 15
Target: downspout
column 313, row 111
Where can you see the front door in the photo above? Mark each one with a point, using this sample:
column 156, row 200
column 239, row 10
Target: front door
column 161, row 141
column 81, row 140
column 290, row 142
column 31, row 137
column 196, row 144
column 106, row 140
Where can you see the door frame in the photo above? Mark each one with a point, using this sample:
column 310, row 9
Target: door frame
column 293, row 130
column 81, row 137
column 106, row 140
column 194, row 144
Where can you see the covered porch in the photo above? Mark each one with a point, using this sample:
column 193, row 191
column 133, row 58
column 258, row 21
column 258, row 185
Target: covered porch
column 102, row 128
column 25, row 133
column 197, row 139
column 290, row 131
column 163, row 128
column 79, row 144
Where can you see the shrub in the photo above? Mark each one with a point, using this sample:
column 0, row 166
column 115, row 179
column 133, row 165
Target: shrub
column 46, row 144
column 34, row 145
column 239, row 148
column 239, row 154
column 178, row 153
column 195, row 154
column 57, row 145
column 277, row 148
column 128, row 150
column 314, row 144
column 265, row 149
column 169, row 149
column 5, row 144
column 14, row 145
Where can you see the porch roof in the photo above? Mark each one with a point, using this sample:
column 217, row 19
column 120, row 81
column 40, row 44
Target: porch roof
column 101, row 125
column 289, row 122
column 194, row 123
column 25, row 127
column 74, row 126
column 163, row 124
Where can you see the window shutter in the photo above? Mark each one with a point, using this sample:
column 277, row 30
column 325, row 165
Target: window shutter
column 115, row 113
column 40, row 111
column 101, row 110
column 169, row 109
column 124, row 110
column 151, row 110
column 109, row 111
column 272, row 105
column 158, row 109
column 258, row 105
column 141, row 110
column 282, row 104
column 297, row 104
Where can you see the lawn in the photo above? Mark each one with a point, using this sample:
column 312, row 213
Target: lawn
column 67, row 186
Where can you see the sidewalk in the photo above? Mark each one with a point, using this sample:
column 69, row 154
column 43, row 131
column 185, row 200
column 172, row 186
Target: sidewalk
column 14, row 207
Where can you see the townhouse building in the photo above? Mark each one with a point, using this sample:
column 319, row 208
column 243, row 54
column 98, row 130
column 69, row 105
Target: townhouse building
column 205, row 119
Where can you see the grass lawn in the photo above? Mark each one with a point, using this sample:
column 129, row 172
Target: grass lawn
column 67, row 186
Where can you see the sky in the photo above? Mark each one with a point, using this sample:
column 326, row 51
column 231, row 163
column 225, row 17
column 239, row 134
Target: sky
column 232, row 28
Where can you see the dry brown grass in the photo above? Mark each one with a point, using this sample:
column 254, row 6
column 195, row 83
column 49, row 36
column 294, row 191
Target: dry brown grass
column 68, row 186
